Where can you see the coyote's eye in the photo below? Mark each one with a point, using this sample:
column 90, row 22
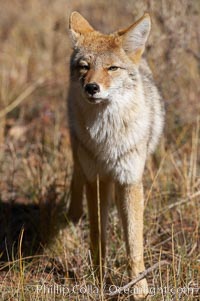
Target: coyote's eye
column 113, row 68
column 84, row 67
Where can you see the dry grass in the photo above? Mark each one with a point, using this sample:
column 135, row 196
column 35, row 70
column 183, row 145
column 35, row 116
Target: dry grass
column 36, row 247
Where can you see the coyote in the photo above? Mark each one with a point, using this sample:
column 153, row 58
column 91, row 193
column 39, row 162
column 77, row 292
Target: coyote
column 116, row 119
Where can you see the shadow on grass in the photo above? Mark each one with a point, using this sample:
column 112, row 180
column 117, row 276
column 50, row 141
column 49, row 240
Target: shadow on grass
column 36, row 225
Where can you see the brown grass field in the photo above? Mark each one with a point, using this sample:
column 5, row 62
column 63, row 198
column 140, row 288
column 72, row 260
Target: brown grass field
column 41, row 253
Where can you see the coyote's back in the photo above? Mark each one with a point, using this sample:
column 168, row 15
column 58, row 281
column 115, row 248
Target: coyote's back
column 116, row 119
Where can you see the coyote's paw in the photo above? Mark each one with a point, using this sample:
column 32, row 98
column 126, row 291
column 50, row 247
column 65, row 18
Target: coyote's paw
column 141, row 290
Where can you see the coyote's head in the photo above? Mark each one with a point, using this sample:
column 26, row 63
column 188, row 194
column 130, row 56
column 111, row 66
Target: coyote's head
column 106, row 66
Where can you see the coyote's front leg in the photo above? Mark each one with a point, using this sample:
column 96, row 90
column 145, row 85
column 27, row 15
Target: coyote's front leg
column 75, row 210
column 105, row 193
column 130, row 201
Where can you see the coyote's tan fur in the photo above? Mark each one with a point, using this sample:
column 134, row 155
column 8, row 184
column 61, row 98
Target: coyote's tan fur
column 116, row 119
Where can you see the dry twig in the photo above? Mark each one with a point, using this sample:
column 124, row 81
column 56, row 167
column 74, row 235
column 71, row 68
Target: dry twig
column 140, row 277
column 21, row 98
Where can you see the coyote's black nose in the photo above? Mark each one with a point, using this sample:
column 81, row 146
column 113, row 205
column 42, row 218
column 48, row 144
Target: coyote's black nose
column 92, row 88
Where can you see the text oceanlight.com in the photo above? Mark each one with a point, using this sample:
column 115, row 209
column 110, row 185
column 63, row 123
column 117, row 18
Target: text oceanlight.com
column 110, row 289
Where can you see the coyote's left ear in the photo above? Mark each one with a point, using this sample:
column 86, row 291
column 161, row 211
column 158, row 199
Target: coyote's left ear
column 78, row 26
column 135, row 36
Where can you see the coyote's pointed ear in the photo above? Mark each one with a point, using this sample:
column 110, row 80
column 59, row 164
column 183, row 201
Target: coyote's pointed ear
column 78, row 26
column 135, row 36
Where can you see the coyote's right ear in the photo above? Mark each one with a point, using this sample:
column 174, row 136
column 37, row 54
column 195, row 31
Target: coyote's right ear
column 78, row 26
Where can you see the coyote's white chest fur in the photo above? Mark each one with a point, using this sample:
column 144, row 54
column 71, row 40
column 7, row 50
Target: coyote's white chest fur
column 113, row 137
